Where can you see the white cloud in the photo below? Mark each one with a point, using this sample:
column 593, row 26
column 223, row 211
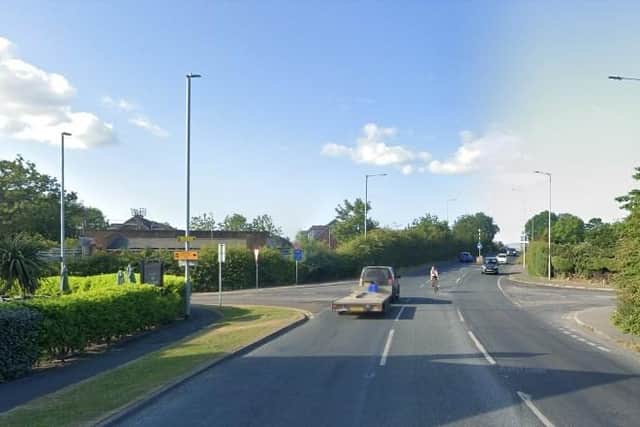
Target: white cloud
column 35, row 105
column 372, row 148
column 496, row 150
column 121, row 103
column 146, row 124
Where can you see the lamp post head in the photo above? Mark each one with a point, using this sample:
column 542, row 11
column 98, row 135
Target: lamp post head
column 66, row 134
column 615, row 78
column 193, row 76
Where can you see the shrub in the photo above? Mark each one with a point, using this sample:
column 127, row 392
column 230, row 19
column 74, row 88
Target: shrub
column 19, row 348
column 20, row 263
column 72, row 322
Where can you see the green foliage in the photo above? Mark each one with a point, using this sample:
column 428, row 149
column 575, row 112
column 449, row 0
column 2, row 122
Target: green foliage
column 110, row 262
column 19, row 349
column 20, row 264
column 432, row 227
column 537, row 259
column 204, row 222
column 568, row 229
column 466, row 228
column 540, row 224
column 235, row 222
column 349, row 221
column 628, row 261
column 265, row 224
column 72, row 322
column 30, row 203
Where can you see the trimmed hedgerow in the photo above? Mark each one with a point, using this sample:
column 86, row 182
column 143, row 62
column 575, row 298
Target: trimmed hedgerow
column 19, row 345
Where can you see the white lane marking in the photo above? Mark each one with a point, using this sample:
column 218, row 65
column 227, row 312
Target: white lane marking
column 458, row 280
column 505, row 294
column 399, row 314
column 591, row 344
column 527, row 401
column 387, row 347
column 603, row 348
column 421, row 285
column 566, row 332
column 480, row 347
column 460, row 315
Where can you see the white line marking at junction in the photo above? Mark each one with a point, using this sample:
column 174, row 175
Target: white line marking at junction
column 387, row 347
column 460, row 315
column 603, row 348
column 421, row 285
column 527, row 401
column 458, row 280
column 505, row 294
column 566, row 332
column 487, row 356
column 399, row 314
column 591, row 344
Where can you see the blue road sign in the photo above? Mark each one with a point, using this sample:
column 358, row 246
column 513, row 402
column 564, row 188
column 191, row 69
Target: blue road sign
column 479, row 245
column 297, row 254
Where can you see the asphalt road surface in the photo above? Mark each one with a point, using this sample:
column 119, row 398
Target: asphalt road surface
column 475, row 354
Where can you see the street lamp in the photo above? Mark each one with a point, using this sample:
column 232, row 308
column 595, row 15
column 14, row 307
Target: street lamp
column 549, row 233
column 366, row 198
column 623, row 78
column 449, row 200
column 187, row 282
column 63, row 268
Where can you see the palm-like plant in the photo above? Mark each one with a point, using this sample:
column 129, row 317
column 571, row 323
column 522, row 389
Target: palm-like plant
column 20, row 263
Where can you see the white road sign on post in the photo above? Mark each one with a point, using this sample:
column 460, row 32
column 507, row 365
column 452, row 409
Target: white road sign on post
column 221, row 256
column 256, row 254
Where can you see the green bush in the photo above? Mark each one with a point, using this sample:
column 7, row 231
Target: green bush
column 562, row 265
column 72, row 322
column 19, row 348
column 537, row 259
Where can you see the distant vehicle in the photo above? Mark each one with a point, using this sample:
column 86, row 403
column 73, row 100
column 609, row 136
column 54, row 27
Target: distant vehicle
column 512, row 252
column 377, row 289
column 490, row 266
column 502, row 258
column 465, row 257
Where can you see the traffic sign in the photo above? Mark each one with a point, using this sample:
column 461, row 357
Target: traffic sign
column 298, row 254
column 186, row 238
column 221, row 252
column 185, row 255
column 479, row 245
column 256, row 254
column 190, row 263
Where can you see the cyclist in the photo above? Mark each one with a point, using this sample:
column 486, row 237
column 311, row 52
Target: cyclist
column 434, row 278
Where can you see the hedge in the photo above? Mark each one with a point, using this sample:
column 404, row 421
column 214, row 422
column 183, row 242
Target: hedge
column 583, row 260
column 19, row 344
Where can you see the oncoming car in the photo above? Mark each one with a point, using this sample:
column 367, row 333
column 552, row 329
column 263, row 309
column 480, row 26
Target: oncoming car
column 502, row 258
column 465, row 257
column 490, row 266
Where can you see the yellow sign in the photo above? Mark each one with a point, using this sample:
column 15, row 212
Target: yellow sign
column 185, row 255
column 186, row 239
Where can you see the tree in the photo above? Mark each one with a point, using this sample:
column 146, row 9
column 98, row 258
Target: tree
column 631, row 200
column 30, row 202
column 466, row 228
column 601, row 234
column 235, row 222
column 432, row 227
column 20, row 263
column 204, row 222
column 349, row 221
column 567, row 229
column 540, row 222
column 265, row 224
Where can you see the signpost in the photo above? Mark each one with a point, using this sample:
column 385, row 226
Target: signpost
column 256, row 254
column 297, row 256
column 185, row 255
column 186, row 238
column 221, row 257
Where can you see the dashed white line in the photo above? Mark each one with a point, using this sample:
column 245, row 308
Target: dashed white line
column 387, row 347
column 591, row 344
column 480, row 347
column 399, row 314
column 527, row 401
column 505, row 294
column 460, row 315
column 458, row 280
column 581, row 339
column 603, row 348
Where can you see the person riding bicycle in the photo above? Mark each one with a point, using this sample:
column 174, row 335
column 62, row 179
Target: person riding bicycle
column 434, row 273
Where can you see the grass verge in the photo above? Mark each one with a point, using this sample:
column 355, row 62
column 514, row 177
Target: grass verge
column 523, row 277
column 87, row 401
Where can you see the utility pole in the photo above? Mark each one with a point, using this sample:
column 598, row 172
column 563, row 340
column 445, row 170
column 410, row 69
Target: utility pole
column 187, row 280
column 366, row 198
column 549, row 233
column 63, row 268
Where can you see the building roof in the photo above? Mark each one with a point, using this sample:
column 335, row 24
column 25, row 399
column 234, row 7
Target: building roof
column 138, row 222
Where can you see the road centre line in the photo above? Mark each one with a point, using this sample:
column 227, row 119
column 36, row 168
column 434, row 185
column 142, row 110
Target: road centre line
column 399, row 314
column 480, row 347
column 527, row 401
column 505, row 294
column 387, row 347
column 460, row 315
column 603, row 349
column 458, row 280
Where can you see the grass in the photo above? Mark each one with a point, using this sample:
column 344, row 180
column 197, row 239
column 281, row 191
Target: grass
column 561, row 282
column 86, row 402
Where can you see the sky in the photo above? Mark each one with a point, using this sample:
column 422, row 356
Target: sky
column 457, row 102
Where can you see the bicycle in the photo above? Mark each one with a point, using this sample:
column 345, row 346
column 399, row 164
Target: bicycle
column 434, row 285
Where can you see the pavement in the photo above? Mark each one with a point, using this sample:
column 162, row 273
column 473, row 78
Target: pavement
column 49, row 380
column 598, row 320
column 484, row 351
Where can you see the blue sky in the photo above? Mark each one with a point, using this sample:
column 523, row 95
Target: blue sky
column 281, row 80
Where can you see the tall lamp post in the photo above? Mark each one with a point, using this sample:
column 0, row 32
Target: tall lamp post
column 366, row 198
column 449, row 200
column 624, row 78
column 549, row 233
column 524, row 235
column 63, row 268
column 187, row 281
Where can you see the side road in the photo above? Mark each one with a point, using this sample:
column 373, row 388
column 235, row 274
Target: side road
column 598, row 320
column 49, row 380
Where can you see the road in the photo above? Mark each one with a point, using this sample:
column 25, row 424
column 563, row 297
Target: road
column 476, row 354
